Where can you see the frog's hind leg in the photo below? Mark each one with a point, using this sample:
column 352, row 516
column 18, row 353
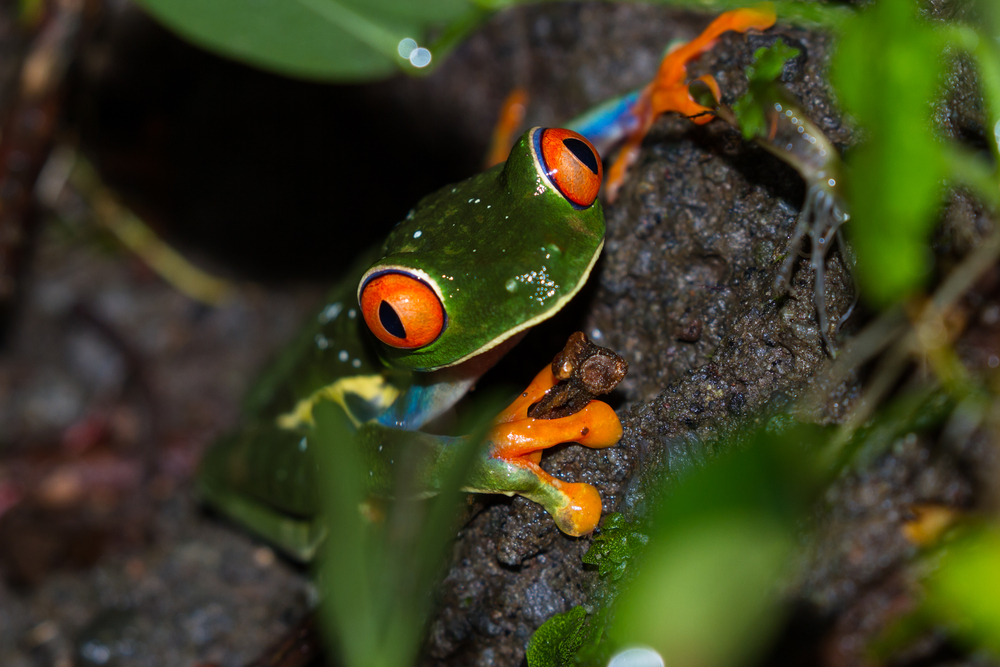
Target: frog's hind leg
column 228, row 481
column 299, row 539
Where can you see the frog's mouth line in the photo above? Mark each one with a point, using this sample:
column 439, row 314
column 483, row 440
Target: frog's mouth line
column 527, row 324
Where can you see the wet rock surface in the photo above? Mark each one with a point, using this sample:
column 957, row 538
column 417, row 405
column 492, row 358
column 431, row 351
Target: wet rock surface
column 685, row 292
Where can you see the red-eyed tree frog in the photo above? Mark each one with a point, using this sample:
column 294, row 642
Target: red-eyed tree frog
column 418, row 321
column 411, row 329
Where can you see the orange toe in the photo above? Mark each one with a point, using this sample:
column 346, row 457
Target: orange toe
column 669, row 90
column 603, row 429
column 582, row 511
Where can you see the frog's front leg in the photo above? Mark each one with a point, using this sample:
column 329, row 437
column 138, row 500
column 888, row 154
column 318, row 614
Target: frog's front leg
column 509, row 463
column 514, row 448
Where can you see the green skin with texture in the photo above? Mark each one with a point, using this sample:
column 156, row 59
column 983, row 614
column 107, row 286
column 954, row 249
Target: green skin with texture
column 503, row 250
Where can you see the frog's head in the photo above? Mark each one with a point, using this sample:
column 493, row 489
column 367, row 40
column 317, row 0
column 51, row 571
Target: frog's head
column 482, row 260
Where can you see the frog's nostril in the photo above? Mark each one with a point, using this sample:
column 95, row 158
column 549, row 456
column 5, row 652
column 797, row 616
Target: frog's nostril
column 390, row 320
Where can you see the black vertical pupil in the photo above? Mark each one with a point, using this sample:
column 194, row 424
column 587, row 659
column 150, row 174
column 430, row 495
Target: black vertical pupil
column 390, row 320
column 582, row 152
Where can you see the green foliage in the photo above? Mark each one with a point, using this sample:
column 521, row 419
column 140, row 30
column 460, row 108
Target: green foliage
column 723, row 535
column 557, row 641
column 719, row 546
column 768, row 63
column 376, row 576
column 887, row 67
column 611, row 550
column 963, row 592
column 344, row 40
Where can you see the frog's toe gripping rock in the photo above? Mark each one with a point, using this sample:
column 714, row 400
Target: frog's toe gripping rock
column 582, row 511
column 599, row 426
column 516, row 444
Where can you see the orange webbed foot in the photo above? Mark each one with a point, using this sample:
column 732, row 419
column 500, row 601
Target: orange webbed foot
column 516, row 443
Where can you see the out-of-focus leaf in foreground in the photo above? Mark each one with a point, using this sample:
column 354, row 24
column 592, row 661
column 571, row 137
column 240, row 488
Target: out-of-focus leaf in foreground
column 964, row 590
column 706, row 591
column 344, row 40
column 886, row 69
column 377, row 572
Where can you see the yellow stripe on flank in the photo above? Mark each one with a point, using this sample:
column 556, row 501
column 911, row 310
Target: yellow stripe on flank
column 372, row 389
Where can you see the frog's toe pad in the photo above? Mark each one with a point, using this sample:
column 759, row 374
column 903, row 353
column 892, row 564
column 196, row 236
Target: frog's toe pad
column 600, row 426
column 582, row 511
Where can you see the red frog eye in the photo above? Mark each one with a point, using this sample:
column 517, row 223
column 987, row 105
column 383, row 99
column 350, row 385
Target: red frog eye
column 572, row 164
column 401, row 310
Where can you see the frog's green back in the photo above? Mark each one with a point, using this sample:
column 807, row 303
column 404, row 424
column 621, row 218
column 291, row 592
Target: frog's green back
column 265, row 465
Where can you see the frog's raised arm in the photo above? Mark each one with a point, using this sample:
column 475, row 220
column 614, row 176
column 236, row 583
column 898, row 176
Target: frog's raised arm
column 629, row 118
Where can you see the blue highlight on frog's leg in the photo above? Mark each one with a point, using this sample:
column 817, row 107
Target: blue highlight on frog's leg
column 609, row 123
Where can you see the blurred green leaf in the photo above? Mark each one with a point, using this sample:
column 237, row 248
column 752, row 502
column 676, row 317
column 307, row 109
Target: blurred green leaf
column 886, row 69
column 964, row 591
column 692, row 586
column 706, row 591
column 376, row 576
column 345, row 40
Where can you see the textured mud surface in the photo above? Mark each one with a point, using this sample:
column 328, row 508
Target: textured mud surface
column 685, row 292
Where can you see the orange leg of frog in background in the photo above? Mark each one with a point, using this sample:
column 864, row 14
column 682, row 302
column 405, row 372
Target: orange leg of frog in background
column 669, row 91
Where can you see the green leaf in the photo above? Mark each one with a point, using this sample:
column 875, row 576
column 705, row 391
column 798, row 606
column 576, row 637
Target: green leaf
column 749, row 109
column 887, row 68
column 557, row 641
column 706, row 592
column 964, row 591
column 769, row 61
column 345, row 40
column 611, row 550
column 376, row 575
